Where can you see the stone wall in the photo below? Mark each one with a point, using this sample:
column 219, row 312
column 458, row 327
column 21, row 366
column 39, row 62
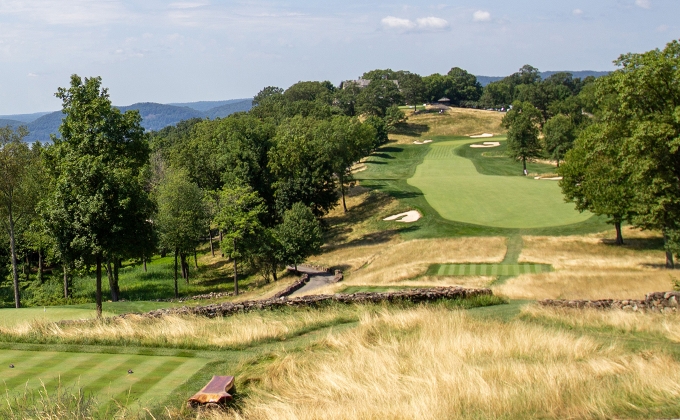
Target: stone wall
column 297, row 285
column 653, row 302
column 414, row 296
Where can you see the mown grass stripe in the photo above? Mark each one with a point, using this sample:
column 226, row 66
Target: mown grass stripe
column 31, row 371
column 485, row 269
column 172, row 380
column 144, row 383
column 98, row 383
column 70, row 376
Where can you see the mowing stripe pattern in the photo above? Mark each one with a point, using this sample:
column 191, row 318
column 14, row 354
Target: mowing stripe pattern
column 105, row 375
column 491, row 269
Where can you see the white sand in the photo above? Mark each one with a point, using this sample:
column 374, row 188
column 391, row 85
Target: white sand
column 408, row 217
column 555, row 178
column 422, row 142
column 486, row 144
column 427, row 141
column 482, row 136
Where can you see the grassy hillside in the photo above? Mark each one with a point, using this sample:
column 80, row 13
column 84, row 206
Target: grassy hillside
column 453, row 122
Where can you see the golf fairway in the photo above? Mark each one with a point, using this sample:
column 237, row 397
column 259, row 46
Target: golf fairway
column 458, row 192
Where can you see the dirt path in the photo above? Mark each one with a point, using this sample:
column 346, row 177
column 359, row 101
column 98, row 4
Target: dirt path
column 317, row 279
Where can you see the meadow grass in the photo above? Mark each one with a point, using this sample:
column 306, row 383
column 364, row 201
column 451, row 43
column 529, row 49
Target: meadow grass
column 437, row 363
column 591, row 267
column 454, row 122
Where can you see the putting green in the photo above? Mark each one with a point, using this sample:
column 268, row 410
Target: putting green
column 105, row 375
column 457, row 191
column 10, row 317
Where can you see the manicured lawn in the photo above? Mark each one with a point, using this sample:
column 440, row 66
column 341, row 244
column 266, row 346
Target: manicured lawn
column 454, row 187
column 104, row 375
column 487, row 269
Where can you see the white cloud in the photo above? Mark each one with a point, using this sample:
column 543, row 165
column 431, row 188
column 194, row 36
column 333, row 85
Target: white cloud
column 645, row 4
column 32, row 75
column 577, row 12
column 186, row 5
column 662, row 28
column 425, row 24
column 397, row 23
column 432, row 23
column 481, row 16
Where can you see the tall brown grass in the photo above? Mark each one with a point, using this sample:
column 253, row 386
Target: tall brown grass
column 185, row 332
column 590, row 267
column 399, row 261
column 430, row 363
column 621, row 321
column 454, row 122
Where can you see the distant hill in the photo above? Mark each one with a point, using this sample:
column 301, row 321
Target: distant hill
column 485, row 80
column 154, row 116
column 204, row 106
column 24, row 118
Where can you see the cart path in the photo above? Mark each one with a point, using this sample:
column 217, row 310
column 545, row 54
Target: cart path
column 317, row 279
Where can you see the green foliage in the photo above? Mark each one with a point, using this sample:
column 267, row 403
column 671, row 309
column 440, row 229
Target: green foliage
column 239, row 212
column 182, row 217
column 522, row 124
column 299, row 234
column 393, row 117
column 377, row 97
column 303, row 166
column 559, row 133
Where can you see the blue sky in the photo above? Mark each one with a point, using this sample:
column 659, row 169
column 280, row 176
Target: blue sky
column 191, row 50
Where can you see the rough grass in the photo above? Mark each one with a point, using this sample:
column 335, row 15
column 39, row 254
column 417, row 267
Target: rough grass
column 432, row 363
column 182, row 332
column 454, row 122
column 619, row 321
column 591, row 267
column 405, row 260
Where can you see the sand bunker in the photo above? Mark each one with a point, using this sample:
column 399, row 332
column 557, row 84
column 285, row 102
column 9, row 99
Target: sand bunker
column 422, row 142
column 554, row 178
column 486, row 144
column 482, row 136
column 408, row 217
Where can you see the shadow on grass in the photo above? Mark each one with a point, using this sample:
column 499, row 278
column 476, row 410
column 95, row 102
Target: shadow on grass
column 383, row 156
column 638, row 244
column 412, row 130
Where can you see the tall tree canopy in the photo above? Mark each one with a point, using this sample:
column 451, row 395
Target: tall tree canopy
column 98, row 203
column 522, row 123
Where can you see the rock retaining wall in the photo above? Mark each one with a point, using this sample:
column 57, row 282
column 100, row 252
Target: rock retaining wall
column 653, row 302
column 229, row 308
column 297, row 285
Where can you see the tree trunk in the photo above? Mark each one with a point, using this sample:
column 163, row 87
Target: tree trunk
column 195, row 259
column 116, row 269
column 235, row 272
column 342, row 192
column 185, row 266
column 176, row 289
column 13, row 251
column 40, row 266
column 524, row 164
column 274, row 275
column 99, row 286
column 669, row 254
column 65, row 281
column 619, row 236
column 144, row 261
column 109, row 274
column 28, row 269
column 212, row 249
column 221, row 237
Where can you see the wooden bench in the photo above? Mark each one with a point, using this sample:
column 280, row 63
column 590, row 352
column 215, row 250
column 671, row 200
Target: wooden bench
column 216, row 392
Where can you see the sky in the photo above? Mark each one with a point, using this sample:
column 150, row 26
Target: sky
column 200, row 50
